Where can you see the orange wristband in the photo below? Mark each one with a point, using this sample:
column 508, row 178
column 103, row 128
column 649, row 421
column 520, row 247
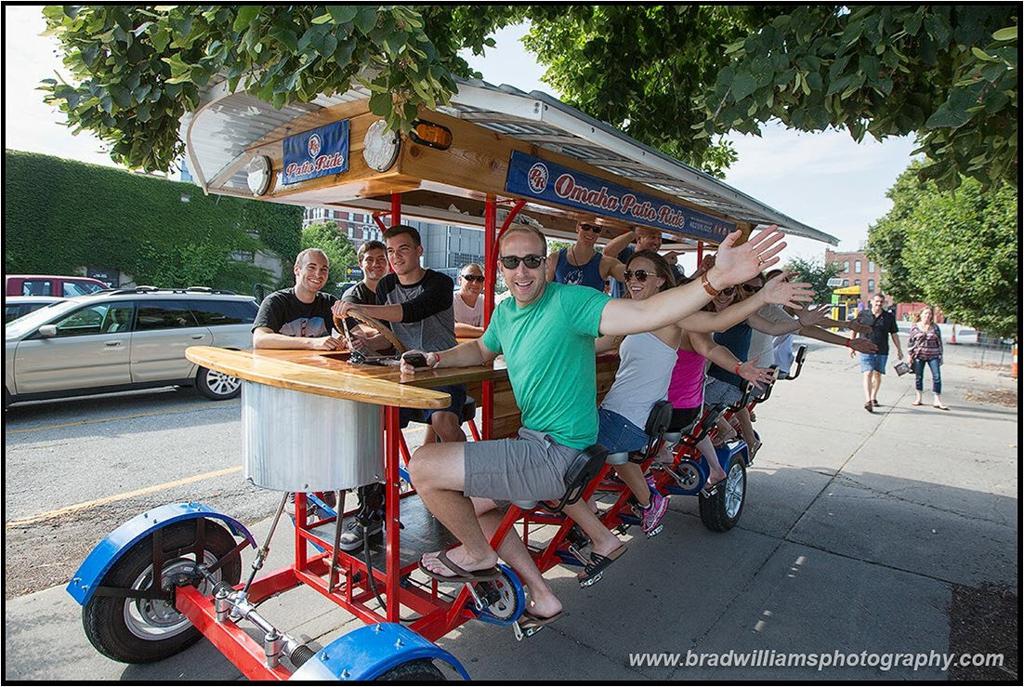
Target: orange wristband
column 736, row 370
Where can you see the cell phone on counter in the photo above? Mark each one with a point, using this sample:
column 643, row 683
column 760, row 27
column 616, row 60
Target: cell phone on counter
column 415, row 359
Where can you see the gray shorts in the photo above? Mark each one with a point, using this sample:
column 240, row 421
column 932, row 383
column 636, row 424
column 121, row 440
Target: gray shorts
column 716, row 391
column 531, row 467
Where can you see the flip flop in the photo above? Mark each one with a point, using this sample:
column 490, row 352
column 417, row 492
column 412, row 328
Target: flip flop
column 461, row 574
column 710, row 489
column 528, row 621
column 917, row 403
column 594, row 570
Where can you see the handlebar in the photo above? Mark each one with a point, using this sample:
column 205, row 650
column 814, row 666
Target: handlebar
column 799, row 360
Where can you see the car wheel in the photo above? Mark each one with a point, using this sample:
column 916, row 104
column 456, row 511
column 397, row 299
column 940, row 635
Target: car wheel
column 217, row 385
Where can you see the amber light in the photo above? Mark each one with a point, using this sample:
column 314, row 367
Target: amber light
column 431, row 135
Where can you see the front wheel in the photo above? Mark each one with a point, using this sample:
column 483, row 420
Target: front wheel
column 145, row 630
column 421, row 671
column 721, row 511
column 217, row 385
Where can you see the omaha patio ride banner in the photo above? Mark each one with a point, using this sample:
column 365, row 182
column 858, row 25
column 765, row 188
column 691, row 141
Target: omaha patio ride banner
column 532, row 177
column 316, row 153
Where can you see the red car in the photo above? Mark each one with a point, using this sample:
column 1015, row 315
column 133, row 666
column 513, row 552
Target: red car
column 51, row 285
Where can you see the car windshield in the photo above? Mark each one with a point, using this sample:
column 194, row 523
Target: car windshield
column 78, row 288
column 25, row 324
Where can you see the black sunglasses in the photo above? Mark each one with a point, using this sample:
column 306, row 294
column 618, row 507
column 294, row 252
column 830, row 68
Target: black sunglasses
column 591, row 227
column 641, row 275
column 473, row 277
column 510, row 262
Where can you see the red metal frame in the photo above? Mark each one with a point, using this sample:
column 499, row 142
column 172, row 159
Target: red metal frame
column 438, row 613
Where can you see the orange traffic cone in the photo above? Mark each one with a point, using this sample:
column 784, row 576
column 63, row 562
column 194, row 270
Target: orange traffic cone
column 1013, row 365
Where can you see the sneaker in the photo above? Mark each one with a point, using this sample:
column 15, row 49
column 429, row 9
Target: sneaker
column 289, row 506
column 652, row 515
column 352, row 535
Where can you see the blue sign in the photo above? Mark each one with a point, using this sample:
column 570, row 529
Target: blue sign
column 316, row 153
column 532, row 177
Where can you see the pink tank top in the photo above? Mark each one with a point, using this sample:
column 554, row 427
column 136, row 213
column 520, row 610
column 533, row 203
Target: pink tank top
column 686, row 390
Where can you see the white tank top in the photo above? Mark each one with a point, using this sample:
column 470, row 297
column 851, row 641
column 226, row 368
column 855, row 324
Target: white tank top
column 645, row 369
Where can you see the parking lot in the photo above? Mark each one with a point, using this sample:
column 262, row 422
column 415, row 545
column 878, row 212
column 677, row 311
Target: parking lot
column 862, row 532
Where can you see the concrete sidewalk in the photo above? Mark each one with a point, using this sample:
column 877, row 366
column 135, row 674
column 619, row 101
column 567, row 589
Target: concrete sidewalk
column 856, row 529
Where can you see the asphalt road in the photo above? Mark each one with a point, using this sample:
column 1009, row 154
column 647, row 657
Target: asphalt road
column 76, row 469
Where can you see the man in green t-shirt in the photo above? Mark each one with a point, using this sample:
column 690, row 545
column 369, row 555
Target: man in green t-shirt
column 546, row 332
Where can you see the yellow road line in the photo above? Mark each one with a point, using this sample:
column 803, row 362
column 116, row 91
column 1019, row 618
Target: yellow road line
column 79, row 423
column 120, row 497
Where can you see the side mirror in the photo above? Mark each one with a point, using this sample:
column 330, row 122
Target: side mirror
column 48, row 331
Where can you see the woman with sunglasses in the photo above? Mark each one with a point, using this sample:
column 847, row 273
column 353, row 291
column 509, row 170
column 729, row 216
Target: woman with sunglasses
column 581, row 264
column 642, row 378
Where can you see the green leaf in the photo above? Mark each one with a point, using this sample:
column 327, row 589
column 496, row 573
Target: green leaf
column 343, row 14
column 365, row 19
column 323, row 18
column 982, row 55
column 246, row 15
column 743, row 84
column 1007, row 34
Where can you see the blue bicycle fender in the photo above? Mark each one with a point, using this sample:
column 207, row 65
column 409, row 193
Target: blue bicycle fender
column 370, row 651
column 105, row 554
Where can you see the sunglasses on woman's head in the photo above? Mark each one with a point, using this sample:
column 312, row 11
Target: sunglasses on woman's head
column 510, row 262
column 641, row 275
column 474, row 277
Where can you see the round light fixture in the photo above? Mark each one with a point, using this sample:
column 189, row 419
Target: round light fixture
column 380, row 146
column 259, row 174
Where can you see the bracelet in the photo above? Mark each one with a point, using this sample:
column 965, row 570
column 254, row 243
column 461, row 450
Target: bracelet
column 711, row 290
column 736, row 370
column 437, row 360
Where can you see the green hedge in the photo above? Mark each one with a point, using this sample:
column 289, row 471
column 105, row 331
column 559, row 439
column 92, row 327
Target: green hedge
column 61, row 215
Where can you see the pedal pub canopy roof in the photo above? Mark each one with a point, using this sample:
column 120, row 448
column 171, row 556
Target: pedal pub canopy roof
column 490, row 141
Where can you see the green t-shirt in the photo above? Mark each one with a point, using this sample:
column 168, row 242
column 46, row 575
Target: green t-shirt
column 549, row 349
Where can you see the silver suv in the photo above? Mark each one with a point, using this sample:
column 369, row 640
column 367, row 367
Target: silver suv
column 121, row 339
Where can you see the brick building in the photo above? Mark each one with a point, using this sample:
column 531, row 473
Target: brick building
column 857, row 270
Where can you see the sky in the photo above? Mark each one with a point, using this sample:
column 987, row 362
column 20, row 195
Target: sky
column 825, row 180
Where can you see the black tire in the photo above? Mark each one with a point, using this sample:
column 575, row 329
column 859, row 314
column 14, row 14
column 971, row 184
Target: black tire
column 720, row 512
column 414, row 671
column 105, row 618
column 217, row 386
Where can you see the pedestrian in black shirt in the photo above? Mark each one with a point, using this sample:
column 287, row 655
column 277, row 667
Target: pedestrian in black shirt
column 883, row 326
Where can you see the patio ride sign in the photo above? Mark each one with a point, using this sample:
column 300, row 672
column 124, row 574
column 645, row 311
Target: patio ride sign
column 316, row 153
column 532, row 177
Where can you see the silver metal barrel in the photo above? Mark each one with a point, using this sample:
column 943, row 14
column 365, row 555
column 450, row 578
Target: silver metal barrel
column 294, row 441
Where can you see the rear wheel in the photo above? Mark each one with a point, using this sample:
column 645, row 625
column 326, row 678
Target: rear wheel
column 414, row 671
column 217, row 385
column 721, row 511
column 146, row 630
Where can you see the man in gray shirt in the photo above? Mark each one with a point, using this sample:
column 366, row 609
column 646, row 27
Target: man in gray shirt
column 418, row 304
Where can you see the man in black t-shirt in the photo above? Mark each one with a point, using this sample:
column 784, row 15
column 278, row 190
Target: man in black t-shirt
column 373, row 260
column 299, row 317
column 883, row 326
